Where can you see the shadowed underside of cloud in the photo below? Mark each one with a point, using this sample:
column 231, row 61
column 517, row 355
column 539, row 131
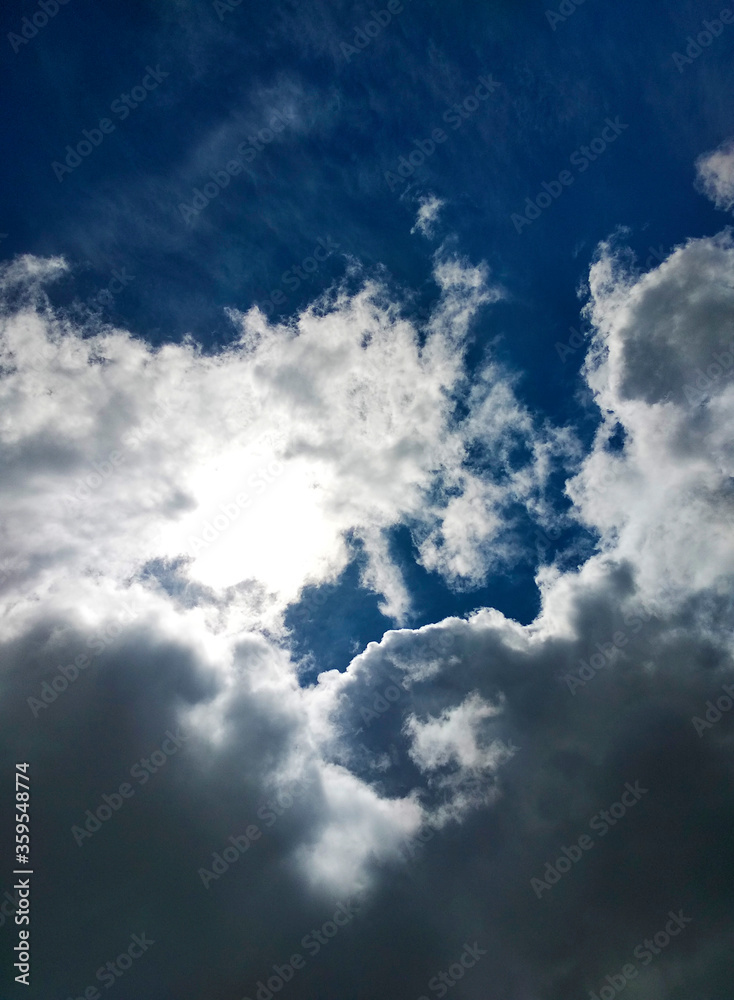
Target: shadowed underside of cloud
column 431, row 783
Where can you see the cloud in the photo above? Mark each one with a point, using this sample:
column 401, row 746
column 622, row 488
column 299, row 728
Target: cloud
column 244, row 473
column 450, row 763
column 450, row 738
column 661, row 368
column 604, row 687
column 427, row 217
column 715, row 175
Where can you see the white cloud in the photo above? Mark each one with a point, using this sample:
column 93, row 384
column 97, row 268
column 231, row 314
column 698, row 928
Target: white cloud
column 253, row 466
column 453, row 736
column 427, row 217
column 661, row 368
column 360, row 826
column 715, row 175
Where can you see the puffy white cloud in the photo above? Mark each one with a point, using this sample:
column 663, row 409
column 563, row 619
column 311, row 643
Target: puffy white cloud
column 248, row 470
column 715, row 175
column 451, row 738
column 661, row 368
column 360, row 826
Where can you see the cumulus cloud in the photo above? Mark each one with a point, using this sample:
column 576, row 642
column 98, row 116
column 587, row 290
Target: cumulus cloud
column 246, row 472
column 715, row 175
column 661, row 371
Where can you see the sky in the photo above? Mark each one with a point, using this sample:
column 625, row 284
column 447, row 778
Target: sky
column 367, row 500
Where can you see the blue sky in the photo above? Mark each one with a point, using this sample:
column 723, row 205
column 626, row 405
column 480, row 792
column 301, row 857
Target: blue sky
column 378, row 361
column 324, row 175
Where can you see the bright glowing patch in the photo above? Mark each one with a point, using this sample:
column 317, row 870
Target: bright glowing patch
column 261, row 518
